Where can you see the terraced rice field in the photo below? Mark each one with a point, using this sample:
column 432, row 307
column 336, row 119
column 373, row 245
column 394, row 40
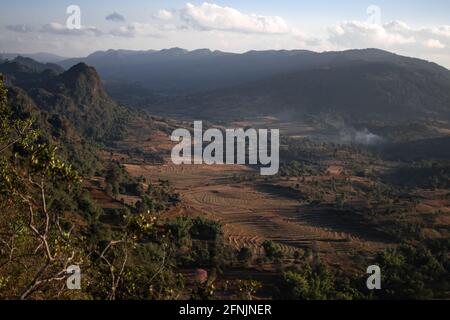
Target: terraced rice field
column 255, row 211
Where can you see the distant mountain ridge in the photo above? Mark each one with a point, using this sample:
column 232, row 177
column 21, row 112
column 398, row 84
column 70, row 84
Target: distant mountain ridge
column 42, row 57
column 356, row 85
column 27, row 72
column 367, row 84
column 33, row 65
column 356, row 91
column 179, row 72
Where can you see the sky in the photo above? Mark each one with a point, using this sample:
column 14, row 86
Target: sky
column 408, row 27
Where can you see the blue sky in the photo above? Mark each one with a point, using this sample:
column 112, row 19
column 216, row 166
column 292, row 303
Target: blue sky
column 417, row 11
column 413, row 27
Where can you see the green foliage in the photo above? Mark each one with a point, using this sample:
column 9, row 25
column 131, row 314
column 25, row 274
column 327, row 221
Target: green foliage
column 156, row 198
column 245, row 255
column 203, row 292
column 199, row 240
column 33, row 226
column 317, row 282
column 415, row 272
column 273, row 251
column 296, row 169
column 203, row 229
column 309, row 284
column 132, row 256
column 248, row 289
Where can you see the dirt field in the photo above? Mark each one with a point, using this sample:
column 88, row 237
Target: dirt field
column 254, row 209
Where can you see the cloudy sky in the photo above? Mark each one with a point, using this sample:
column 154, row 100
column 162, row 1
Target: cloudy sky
column 410, row 27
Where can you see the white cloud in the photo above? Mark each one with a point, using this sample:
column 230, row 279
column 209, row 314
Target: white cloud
column 434, row 44
column 164, row 14
column 136, row 29
column 60, row 29
column 430, row 43
column 392, row 35
column 397, row 26
column 208, row 16
column 443, row 31
column 363, row 34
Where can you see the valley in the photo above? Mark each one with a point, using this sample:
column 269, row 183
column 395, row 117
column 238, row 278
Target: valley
column 360, row 180
column 297, row 212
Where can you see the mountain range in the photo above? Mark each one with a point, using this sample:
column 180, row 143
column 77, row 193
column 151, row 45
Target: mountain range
column 43, row 57
column 368, row 83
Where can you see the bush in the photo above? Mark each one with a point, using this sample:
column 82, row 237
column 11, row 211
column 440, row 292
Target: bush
column 245, row 255
column 273, row 251
column 415, row 272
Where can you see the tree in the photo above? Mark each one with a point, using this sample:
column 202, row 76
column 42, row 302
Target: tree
column 273, row 251
column 37, row 242
column 245, row 255
column 415, row 272
column 309, row 283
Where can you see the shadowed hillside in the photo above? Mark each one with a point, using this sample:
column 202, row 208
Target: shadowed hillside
column 354, row 91
column 357, row 84
column 75, row 96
